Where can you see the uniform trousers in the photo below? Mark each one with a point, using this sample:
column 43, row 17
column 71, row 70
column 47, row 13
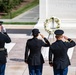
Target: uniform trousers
column 2, row 69
column 35, row 70
column 60, row 71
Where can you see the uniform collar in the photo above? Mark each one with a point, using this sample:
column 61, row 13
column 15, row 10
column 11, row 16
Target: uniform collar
column 58, row 40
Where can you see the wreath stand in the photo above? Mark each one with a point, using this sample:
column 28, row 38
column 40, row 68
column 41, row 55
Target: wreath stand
column 52, row 29
column 45, row 50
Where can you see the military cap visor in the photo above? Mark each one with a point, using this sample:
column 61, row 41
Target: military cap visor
column 1, row 22
column 59, row 32
column 35, row 31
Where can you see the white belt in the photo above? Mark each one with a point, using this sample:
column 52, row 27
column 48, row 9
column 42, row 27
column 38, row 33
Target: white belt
column 1, row 49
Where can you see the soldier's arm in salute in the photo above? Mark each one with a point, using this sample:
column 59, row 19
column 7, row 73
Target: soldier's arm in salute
column 46, row 41
column 70, row 42
column 7, row 38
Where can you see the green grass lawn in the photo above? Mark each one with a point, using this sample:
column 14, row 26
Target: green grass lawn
column 20, row 23
column 21, row 10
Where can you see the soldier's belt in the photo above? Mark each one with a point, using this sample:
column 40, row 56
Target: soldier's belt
column 1, row 49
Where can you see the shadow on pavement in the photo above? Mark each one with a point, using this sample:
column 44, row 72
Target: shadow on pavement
column 17, row 60
column 19, row 31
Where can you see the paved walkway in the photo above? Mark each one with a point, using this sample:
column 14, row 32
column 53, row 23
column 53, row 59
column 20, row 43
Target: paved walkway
column 31, row 15
column 15, row 63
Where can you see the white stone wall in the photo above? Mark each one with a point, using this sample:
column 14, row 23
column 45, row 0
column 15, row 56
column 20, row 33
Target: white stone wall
column 65, row 10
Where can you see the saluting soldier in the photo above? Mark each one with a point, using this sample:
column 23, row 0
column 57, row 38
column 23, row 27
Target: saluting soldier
column 4, row 38
column 35, row 59
column 58, row 57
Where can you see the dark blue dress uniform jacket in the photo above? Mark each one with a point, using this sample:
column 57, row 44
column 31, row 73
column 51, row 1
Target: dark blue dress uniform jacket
column 4, row 38
column 59, row 50
column 34, row 45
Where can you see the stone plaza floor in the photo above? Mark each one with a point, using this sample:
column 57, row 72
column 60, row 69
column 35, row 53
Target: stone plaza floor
column 15, row 60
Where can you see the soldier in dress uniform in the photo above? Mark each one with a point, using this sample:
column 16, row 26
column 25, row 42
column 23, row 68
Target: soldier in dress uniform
column 58, row 57
column 4, row 38
column 35, row 59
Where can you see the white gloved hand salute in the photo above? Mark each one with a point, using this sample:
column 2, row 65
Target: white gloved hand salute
column 3, row 29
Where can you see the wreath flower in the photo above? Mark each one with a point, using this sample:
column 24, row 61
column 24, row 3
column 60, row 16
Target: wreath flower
column 50, row 30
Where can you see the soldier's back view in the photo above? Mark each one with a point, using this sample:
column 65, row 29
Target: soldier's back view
column 4, row 38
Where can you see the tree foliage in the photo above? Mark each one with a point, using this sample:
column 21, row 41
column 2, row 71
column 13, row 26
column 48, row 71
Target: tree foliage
column 7, row 5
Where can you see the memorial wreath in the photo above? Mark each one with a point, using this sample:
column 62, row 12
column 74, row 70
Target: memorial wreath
column 50, row 30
